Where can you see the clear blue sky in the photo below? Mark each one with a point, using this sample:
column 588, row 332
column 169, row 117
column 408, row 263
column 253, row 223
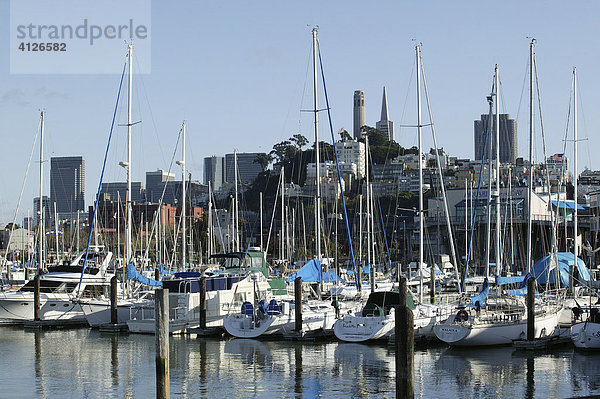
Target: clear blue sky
column 237, row 71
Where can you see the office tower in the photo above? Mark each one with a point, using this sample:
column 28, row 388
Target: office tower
column 155, row 182
column 508, row 138
column 360, row 113
column 385, row 125
column 247, row 169
column 67, row 184
column 48, row 208
column 214, row 172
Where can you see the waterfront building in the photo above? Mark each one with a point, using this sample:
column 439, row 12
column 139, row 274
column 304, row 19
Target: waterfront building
column 67, row 184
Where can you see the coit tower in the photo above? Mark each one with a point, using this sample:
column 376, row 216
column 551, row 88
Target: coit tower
column 360, row 114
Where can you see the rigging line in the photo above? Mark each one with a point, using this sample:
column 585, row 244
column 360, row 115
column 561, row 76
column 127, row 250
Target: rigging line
column 387, row 249
column 149, row 110
column 91, row 232
column 582, row 113
column 162, row 196
column 338, row 167
column 537, row 86
column 487, row 134
column 20, row 197
column 442, row 185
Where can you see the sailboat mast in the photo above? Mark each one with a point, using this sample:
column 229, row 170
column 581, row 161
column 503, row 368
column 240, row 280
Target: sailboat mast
column 183, row 208
column 261, row 219
column 419, row 130
column 317, row 160
column 489, row 191
column 128, row 254
column 210, row 240
column 41, row 210
column 236, row 205
column 368, row 219
column 530, row 185
column 575, row 244
column 497, row 192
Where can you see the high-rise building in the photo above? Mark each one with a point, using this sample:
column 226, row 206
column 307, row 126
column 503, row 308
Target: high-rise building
column 360, row 113
column 247, row 169
column 48, row 208
column 385, row 125
column 214, row 172
column 67, row 184
column 508, row 138
column 155, row 182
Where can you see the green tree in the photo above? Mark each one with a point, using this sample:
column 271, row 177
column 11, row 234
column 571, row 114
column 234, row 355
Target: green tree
column 263, row 160
column 299, row 140
column 344, row 135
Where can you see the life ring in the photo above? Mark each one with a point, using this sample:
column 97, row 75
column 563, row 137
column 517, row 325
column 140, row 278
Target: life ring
column 461, row 316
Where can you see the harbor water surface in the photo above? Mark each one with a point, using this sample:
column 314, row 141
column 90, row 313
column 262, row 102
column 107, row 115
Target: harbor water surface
column 82, row 363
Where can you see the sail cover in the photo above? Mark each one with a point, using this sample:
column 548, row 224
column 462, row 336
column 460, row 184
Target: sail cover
column 545, row 269
column 133, row 274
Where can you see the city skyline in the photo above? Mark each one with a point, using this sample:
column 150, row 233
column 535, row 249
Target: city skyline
column 258, row 78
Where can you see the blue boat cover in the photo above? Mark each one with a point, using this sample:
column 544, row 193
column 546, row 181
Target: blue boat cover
column 546, row 274
column 310, row 272
column 133, row 274
column 566, row 204
column 482, row 296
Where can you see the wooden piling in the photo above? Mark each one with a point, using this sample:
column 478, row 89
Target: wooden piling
column 298, row 304
column 157, row 274
column 531, row 309
column 36, row 298
column 202, row 324
column 372, row 278
column 432, row 284
column 161, row 312
column 405, row 337
column 114, row 318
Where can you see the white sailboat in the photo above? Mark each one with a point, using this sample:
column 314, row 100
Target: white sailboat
column 501, row 319
column 377, row 318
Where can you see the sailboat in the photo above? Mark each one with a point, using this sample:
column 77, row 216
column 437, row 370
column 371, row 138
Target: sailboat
column 499, row 318
column 271, row 317
column 377, row 318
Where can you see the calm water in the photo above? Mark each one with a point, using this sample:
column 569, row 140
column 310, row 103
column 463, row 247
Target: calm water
column 84, row 364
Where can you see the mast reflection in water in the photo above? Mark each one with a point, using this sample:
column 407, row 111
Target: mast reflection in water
column 83, row 363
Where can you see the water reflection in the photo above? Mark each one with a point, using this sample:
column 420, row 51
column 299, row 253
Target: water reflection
column 39, row 380
column 298, row 369
column 82, row 363
column 114, row 359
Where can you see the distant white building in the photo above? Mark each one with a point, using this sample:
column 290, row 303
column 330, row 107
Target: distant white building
column 412, row 160
column 352, row 151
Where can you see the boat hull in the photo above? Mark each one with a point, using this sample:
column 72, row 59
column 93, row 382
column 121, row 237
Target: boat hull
column 499, row 333
column 18, row 307
column 586, row 335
